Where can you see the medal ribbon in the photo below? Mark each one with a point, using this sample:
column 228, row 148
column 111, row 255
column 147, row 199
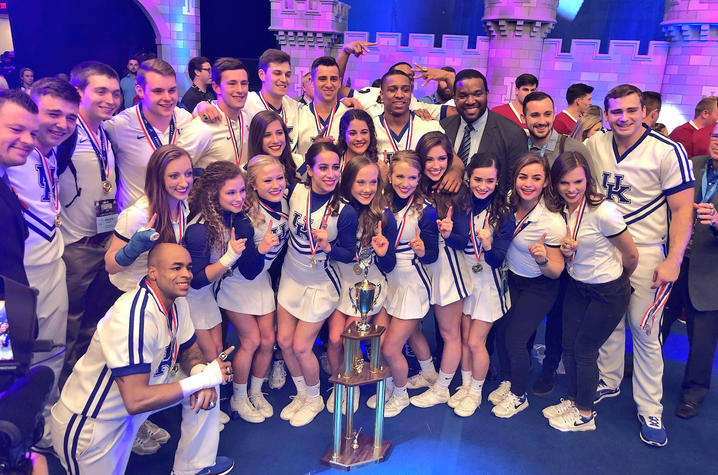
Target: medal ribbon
column 172, row 322
column 51, row 182
column 579, row 219
column 389, row 134
column 403, row 221
column 237, row 145
column 478, row 249
column 271, row 211
column 149, row 131
column 318, row 121
column 269, row 107
column 325, row 218
column 181, row 221
column 99, row 146
column 521, row 225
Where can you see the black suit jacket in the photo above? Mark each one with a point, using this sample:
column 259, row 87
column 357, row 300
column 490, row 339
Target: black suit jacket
column 703, row 264
column 12, row 236
column 501, row 137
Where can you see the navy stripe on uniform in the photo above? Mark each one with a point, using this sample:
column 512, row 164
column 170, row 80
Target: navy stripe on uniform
column 680, row 155
column 333, row 277
column 456, row 271
column 646, row 214
column 497, row 283
column 424, row 277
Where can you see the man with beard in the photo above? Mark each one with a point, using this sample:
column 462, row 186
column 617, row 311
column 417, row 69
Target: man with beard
column 444, row 92
column 127, row 83
column 513, row 110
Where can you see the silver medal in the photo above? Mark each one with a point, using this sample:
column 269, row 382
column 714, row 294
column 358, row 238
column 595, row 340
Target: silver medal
column 477, row 268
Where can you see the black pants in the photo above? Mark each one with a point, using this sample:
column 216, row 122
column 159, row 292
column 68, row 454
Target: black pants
column 531, row 299
column 591, row 313
column 554, row 329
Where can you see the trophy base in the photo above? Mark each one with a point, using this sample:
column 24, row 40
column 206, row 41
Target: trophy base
column 365, row 454
column 356, row 332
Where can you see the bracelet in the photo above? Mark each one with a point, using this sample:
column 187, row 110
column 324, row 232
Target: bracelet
column 542, row 264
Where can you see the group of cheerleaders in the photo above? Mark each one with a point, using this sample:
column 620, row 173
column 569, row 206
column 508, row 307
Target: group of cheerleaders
column 341, row 208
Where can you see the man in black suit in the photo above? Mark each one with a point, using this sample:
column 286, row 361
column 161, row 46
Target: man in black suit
column 18, row 127
column 477, row 129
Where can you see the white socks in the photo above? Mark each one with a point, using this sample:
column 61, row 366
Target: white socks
column 465, row 378
column 256, row 386
column 444, row 380
column 399, row 391
column 427, row 367
column 476, row 386
column 300, row 384
column 313, row 391
column 240, row 390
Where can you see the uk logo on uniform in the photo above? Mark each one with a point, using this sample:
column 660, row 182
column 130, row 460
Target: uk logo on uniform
column 615, row 190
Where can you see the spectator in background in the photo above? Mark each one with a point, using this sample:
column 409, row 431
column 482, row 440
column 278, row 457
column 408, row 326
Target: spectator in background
column 652, row 101
column 590, row 123
column 578, row 98
column 127, row 83
column 513, row 110
column 307, row 90
column 705, row 115
column 200, row 73
column 7, row 67
column 443, row 92
column 26, row 79
column 661, row 129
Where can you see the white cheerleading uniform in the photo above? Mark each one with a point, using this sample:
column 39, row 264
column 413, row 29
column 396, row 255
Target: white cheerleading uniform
column 409, row 283
column 639, row 182
column 309, row 293
column 92, row 431
column 369, row 100
column 388, row 142
column 128, row 223
column 133, row 148
column 224, row 140
column 37, row 187
column 203, row 309
column 488, row 299
column 310, row 125
column 256, row 296
column 450, row 279
column 289, row 112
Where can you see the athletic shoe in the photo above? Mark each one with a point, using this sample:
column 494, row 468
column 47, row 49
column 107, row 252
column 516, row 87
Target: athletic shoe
column 324, row 363
column 259, row 402
column 431, row 397
column 456, row 398
column 222, row 465
column 371, row 402
column 573, row 421
column 421, row 380
column 557, row 409
column 396, row 404
column 309, row 410
column 652, row 431
column 510, row 406
column 156, row 432
column 500, row 393
column 242, row 407
column 330, row 400
column 144, row 444
column 223, row 417
column 468, row 405
column 603, row 391
column 291, row 408
column 278, row 375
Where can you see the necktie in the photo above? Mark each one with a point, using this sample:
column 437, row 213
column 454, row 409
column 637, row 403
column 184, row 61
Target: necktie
column 465, row 144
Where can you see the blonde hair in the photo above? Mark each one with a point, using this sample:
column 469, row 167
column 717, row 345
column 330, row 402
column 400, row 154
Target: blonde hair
column 255, row 164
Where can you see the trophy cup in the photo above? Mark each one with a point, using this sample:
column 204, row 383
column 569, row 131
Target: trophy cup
column 352, row 449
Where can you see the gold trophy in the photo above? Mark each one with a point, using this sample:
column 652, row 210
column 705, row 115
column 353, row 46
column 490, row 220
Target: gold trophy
column 352, row 449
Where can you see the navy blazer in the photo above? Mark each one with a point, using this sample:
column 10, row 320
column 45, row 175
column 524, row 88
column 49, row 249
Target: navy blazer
column 13, row 235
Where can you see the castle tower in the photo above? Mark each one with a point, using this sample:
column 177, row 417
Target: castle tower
column 691, row 27
column 517, row 29
column 307, row 29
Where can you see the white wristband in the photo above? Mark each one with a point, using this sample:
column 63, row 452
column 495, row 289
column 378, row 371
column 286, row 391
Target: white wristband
column 229, row 257
column 209, row 377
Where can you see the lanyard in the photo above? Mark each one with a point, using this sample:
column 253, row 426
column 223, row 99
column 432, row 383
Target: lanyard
column 478, row 248
column 394, row 143
column 269, row 106
column 318, row 122
column 99, row 146
column 325, row 217
column 707, row 191
column 51, row 182
column 237, row 145
column 172, row 322
column 403, row 221
column 149, row 131
column 579, row 219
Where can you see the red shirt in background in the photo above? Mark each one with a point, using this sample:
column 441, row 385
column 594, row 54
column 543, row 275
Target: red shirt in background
column 510, row 113
column 564, row 123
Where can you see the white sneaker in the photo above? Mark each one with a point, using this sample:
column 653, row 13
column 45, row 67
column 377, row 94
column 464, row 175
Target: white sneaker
column 324, row 363
column 460, row 394
column 261, row 404
column 156, row 432
column 292, row 407
column 468, row 405
column 330, row 400
column 431, row 397
column 572, row 421
column 371, row 402
column 223, row 417
column 510, row 406
column 144, row 444
column 278, row 375
column 308, row 411
column 421, row 380
column 396, row 404
column 558, row 409
column 242, row 407
column 498, row 394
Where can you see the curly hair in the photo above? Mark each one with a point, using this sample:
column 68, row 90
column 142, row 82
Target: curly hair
column 357, row 114
column 550, row 200
column 410, row 158
column 499, row 207
column 567, row 162
column 373, row 213
column 255, row 165
column 440, row 199
column 204, row 200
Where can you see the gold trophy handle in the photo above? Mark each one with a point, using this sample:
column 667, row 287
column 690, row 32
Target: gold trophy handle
column 376, row 295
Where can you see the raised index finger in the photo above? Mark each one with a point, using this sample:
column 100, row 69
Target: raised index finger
column 449, row 212
column 543, row 238
column 378, row 228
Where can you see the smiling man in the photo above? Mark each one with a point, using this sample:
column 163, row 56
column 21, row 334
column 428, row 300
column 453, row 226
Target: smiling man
column 226, row 138
column 513, row 110
column 136, row 132
column 37, row 188
column 648, row 176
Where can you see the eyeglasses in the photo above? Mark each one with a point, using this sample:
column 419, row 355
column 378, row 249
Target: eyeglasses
column 205, row 69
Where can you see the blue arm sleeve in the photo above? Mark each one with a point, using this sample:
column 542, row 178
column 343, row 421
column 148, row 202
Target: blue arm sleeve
column 499, row 246
column 343, row 247
column 251, row 262
column 195, row 241
column 459, row 237
column 388, row 261
column 429, row 233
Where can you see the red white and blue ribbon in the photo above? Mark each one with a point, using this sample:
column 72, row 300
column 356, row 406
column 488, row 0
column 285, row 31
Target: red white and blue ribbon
column 579, row 219
column 172, row 321
column 325, row 217
column 237, row 145
column 393, row 142
column 318, row 122
column 269, row 107
column 662, row 294
column 403, row 221
column 478, row 247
